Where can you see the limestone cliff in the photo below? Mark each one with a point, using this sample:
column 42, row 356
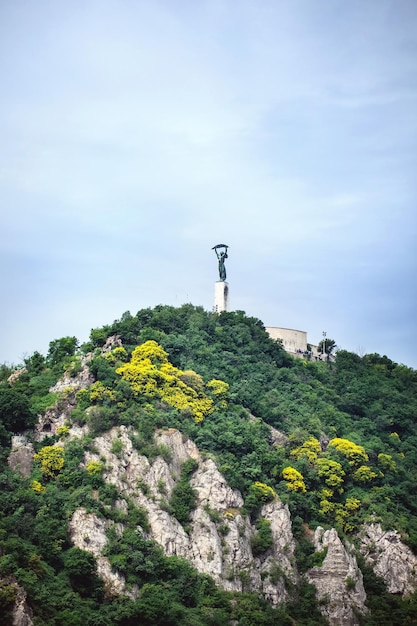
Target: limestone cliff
column 67, row 388
column 218, row 540
column 390, row 558
column 338, row 581
column 88, row 532
column 19, row 614
column 21, row 456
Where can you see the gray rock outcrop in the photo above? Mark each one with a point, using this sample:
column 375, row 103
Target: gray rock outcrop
column 22, row 613
column 59, row 414
column 88, row 532
column 21, row 456
column 390, row 558
column 339, row 581
column 218, row 539
column 14, row 607
column 83, row 379
column 15, row 375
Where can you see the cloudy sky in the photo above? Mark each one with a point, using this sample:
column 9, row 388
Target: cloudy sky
column 137, row 134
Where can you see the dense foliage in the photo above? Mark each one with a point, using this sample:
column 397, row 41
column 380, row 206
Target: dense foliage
column 347, row 453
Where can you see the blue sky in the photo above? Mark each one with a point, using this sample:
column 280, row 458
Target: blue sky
column 136, row 135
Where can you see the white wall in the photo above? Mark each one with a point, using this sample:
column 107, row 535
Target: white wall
column 294, row 341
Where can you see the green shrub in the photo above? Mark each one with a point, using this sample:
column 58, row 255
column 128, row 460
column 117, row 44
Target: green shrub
column 183, row 498
column 117, row 447
column 262, row 540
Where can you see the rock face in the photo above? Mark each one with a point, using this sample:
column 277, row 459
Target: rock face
column 88, row 532
column 112, row 342
column 55, row 417
column 68, row 386
column 59, row 414
column 83, row 379
column 15, row 375
column 19, row 613
column 390, row 558
column 338, row 581
column 22, row 613
column 21, row 456
column 278, row 438
column 218, row 540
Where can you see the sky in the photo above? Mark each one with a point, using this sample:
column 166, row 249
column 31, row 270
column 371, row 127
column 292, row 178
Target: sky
column 137, row 134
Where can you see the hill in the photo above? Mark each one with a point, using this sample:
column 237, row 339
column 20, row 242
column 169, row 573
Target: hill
column 182, row 468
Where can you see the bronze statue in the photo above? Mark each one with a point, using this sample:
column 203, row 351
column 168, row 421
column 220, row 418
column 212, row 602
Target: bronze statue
column 222, row 256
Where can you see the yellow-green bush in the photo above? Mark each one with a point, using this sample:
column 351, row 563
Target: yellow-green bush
column 99, row 393
column 150, row 374
column 94, row 468
column 310, row 449
column 62, row 431
column 331, row 471
column 51, row 459
column 263, row 493
column 364, row 474
column 116, row 355
column 352, row 451
column 37, row 486
column 386, row 461
column 342, row 514
column 294, row 478
column 219, row 389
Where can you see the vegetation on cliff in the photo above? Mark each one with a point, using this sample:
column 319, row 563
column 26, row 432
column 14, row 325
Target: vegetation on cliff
column 348, row 454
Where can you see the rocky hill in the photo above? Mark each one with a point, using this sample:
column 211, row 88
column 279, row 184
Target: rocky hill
column 181, row 468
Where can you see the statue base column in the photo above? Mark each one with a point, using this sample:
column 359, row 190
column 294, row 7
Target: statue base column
column 221, row 296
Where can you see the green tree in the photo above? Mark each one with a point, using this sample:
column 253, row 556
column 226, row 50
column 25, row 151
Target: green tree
column 262, row 540
column 82, row 570
column 35, row 364
column 327, row 346
column 15, row 414
column 61, row 348
column 183, row 499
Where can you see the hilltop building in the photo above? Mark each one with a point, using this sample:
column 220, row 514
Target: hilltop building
column 295, row 342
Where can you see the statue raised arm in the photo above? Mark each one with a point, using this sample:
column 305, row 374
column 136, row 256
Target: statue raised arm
column 221, row 253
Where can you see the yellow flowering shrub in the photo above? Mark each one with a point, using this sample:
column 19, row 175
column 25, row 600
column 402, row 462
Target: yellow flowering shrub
column 51, row 459
column 352, row 504
column 62, row 431
column 116, row 355
column 263, row 493
column 342, row 514
column 310, row 449
column 37, row 486
column 386, row 461
column 294, row 478
column 364, row 474
column 150, row 374
column 99, row 393
column 331, row 471
column 94, row 468
column 326, row 507
column 219, row 389
column 353, row 452
column 326, row 493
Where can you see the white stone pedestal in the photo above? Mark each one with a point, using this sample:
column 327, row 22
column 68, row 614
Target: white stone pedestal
column 221, row 296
